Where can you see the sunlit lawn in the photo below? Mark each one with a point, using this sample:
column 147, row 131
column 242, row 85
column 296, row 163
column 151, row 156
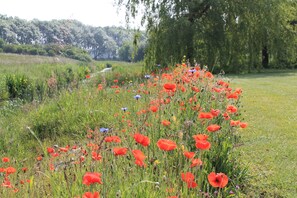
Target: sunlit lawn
column 270, row 142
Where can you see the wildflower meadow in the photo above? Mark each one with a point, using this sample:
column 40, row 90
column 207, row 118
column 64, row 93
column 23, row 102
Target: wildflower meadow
column 172, row 134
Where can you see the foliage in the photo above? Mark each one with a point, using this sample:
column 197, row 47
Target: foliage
column 48, row 50
column 19, row 86
column 38, row 81
column 231, row 35
column 99, row 42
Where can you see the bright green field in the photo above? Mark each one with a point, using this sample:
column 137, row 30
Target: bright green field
column 270, row 142
column 36, row 67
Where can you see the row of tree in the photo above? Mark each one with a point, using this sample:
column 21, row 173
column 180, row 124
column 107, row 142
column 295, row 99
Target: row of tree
column 100, row 42
column 46, row 50
column 231, row 35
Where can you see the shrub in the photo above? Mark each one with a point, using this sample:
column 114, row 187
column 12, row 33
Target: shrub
column 19, row 86
column 51, row 52
column 9, row 48
column 33, row 51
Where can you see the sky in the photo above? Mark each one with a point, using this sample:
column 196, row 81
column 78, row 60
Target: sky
column 89, row 12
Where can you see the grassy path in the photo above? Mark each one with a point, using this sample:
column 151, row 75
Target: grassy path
column 270, row 142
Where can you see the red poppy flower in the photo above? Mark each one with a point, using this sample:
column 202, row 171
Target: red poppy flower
column 215, row 112
column 166, row 122
column 200, row 137
column 96, row 156
column 166, row 145
column 238, row 91
column 205, row 115
column 226, row 116
column 234, row 122
column 208, row 75
column 243, row 124
column 5, row 159
column 92, row 178
column 169, row 87
column 189, row 179
column 154, row 108
column 213, row 128
column 138, row 155
column 10, row 170
column 196, row 162
column 142, row 139
column 108, row 139
column 120, row 151
column 100, row 87
column 192, row 184
column 140, row 163
column 195, row 89
column 91, row 195
column 64, row 149
column 217, row 180
column 55, row 154
column 231, row 109
column 189, row 155
column 218, row 90
column 222, row 83
column 50, row 150
column 6, row 183
column 114, row 138
column 203, row 144
column 232, row 96
column 39, row 158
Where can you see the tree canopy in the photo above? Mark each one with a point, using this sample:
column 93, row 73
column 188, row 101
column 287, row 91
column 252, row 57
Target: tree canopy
column 100, row 42
column 223, row 34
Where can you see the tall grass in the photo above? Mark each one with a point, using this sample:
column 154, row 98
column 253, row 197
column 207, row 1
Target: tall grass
column 173, row 107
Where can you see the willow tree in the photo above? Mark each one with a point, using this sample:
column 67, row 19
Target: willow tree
column 225, row 34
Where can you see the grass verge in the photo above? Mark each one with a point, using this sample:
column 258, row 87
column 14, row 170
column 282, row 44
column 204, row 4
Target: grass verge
column 270, row 141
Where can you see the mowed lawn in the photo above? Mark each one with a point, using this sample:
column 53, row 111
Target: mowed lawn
column 270, row 143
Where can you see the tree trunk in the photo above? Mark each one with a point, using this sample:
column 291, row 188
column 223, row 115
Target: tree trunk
column 265, row 57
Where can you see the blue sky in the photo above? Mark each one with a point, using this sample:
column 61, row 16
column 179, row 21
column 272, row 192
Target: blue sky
column 89, row 12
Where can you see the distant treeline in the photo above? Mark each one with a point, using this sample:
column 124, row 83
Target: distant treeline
column 115, row 43
column 46, row 50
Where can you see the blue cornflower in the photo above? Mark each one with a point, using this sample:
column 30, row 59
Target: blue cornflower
column 192, row 70
column 137, row 97
column 124, row 108
column 104, row 130
column 147, row 76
